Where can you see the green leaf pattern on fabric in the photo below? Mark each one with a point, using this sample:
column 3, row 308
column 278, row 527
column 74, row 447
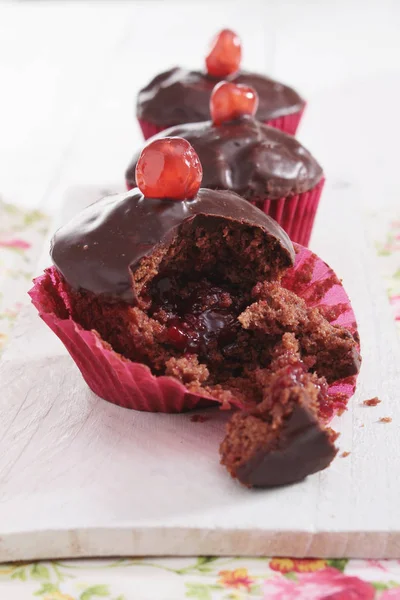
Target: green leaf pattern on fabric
column 95, row 591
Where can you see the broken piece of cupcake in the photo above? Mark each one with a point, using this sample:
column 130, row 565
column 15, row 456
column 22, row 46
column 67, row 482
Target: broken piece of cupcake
column 171, row 297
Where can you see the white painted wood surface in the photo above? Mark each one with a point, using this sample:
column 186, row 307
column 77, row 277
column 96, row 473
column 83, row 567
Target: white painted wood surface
column 81, row 477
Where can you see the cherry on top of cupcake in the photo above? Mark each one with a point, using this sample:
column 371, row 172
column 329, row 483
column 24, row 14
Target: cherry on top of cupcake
column 229, row 101
column 239, row 153
column 225, row 54
column 182, row 96
column 169, row 168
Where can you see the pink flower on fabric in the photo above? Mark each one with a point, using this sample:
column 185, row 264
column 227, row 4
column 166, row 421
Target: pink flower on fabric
column 329, row 584
column 393, row 594
column 395, row 301
column 377, row 565
column 15, row 243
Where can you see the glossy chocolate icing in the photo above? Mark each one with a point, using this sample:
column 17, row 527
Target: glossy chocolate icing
column 247, row 157
column 303, row 448
column 101, row 246
column 181, row 96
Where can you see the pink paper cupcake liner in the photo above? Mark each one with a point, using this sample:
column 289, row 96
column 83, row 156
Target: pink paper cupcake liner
column 288, row 124
column 132, row 385
column 295, row 214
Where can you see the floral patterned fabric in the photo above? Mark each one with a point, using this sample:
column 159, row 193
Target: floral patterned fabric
column 21, row 239
column 201, row 578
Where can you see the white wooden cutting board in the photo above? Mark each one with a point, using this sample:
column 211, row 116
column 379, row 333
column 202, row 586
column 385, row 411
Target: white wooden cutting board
column 81, row 477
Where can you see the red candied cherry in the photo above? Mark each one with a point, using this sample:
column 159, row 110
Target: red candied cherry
column 169, row 168
column 225, row 54
column 232, row 100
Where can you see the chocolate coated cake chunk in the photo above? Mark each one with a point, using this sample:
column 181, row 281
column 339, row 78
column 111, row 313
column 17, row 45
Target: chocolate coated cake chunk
column 282, row 440
column 182, row 96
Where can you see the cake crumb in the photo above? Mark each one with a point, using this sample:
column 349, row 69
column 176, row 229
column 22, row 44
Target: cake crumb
column 385, row 420
column 199, row 418
column 372, row 402
column 344, row 454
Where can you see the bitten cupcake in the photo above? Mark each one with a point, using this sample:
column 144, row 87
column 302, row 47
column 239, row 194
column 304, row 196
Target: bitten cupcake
column 170, row 296
column 180, row 96
column 269, row 168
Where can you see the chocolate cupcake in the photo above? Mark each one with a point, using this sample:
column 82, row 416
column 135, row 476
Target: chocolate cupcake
column 180, row 96
column 269, row 168
column 170, row 296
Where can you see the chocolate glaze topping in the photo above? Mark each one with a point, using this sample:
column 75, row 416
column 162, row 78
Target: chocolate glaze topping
column 101, row 246
column 182, row 96
column 247, row 157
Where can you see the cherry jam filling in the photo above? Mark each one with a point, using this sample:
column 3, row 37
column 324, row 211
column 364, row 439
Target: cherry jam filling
column 199, row 315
